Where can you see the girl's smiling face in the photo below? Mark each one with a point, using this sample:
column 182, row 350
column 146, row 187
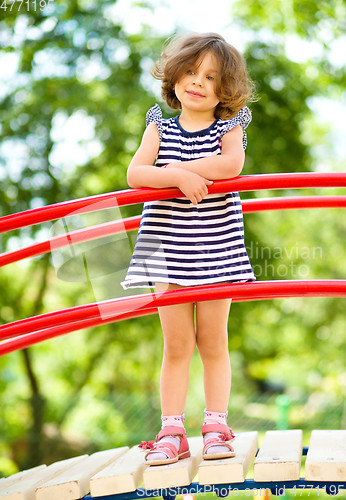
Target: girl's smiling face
column 196, row 89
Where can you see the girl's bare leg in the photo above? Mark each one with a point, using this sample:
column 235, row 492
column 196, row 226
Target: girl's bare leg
column 179, row 344
column 212, row 343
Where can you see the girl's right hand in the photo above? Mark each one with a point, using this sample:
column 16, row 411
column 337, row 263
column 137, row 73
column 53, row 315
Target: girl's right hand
column 194, row 186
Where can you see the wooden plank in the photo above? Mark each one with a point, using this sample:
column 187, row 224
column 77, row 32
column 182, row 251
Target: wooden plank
column 24, row 489
column 74, row 482
column 326, row 458
column 234, row 469
column 15, row 478
column 280, row 455
column 179, row 474
column 123, row 475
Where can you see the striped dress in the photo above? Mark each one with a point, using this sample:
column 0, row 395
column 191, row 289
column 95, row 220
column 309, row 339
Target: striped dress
column 187, row 244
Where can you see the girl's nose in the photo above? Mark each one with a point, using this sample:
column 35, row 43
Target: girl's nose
column 197, row 80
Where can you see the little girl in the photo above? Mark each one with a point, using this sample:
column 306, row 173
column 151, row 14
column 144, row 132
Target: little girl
column 197, row 239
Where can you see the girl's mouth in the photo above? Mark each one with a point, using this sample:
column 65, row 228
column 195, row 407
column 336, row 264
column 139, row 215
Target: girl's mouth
column 194, row 94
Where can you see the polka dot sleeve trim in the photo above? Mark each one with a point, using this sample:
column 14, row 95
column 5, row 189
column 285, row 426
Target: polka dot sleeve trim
column 242, row 118
column 154, row 114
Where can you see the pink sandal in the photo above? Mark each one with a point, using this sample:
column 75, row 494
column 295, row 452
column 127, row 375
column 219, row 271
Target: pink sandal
column 167, row 448
column 224, row 438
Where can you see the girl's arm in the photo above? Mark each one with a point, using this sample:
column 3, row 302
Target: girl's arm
column 142, row 172
column 224, row 166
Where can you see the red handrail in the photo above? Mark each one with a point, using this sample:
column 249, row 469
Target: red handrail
column 132, row 223
column 132, row 196
column 30, row 339
column 136, row 305
column 29, row 331
column 292, row 202
column 73, row 238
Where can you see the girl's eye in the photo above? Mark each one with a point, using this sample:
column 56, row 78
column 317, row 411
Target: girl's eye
column 210, row 78
column 190, row 72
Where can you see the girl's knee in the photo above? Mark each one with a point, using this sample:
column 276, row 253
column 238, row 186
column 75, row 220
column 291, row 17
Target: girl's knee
column 212, row 346
column 178, row 348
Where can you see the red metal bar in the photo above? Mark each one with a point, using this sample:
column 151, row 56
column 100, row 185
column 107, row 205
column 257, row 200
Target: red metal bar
column 30, row 339
column 73, row 238
column 132, row 223
column 293, row 202
column 138, row 304
column 132, row 196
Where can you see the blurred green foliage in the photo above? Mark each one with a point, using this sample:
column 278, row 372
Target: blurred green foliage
column 100, row 388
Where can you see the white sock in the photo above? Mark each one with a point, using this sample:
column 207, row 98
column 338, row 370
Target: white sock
column 167, row 421
column 215, row 417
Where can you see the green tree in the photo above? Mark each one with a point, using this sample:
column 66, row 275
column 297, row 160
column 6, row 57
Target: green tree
column 74, row 64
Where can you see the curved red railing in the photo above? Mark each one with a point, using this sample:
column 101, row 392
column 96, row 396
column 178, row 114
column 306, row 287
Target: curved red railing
column 29, row 331
column 133, row 196
column 29, row 339
column 121, row 306
column 49, row 325
column 132, row 223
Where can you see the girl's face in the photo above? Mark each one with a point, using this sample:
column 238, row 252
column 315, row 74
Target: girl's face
column 196, row 88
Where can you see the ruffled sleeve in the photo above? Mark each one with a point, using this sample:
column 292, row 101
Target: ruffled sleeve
column 154, row 114
column 242, row 118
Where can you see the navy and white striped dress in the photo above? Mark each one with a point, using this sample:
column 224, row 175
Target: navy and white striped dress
column 187, row 244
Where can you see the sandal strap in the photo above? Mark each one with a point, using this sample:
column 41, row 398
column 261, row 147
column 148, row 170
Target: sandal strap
column 165, row 447
column 172, row 430
column 222, row 429
column 216, row 442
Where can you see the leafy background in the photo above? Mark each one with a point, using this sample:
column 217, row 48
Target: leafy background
column 72, row 115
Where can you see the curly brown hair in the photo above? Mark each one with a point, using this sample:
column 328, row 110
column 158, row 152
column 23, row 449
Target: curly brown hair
column 233, row 85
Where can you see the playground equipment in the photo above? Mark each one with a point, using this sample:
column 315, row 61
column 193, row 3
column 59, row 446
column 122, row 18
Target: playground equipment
column 122, row 473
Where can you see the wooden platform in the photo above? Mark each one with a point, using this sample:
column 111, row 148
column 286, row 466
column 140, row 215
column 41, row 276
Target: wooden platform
column 279, row 458
column 123, row 470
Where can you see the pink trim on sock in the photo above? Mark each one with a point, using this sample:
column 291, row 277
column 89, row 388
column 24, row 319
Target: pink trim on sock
column 168, row 420
column 215, row 417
